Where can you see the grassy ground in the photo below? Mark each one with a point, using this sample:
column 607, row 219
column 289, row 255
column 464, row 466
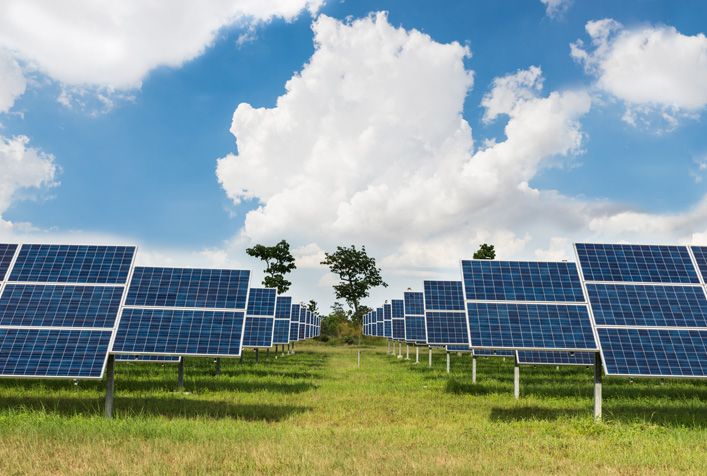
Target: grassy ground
column 316, row 412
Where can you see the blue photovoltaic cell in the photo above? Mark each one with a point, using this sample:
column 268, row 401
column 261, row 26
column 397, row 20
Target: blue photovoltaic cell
column 65, row 353
column 148, row 358
column 489, row 280
column 7, row 252
column 188, row 287
column 415, row 328
column 636, row 263
column 446, row 327
column 399, row 329
column 443, row 296
column 648, row 305
column 458, row 348
column 414, row 303
column 387, row 312
column 530, row 326
column 283, row 307
column 78, row 264
column 398, row 308
column 494, row 353
column 309, row 317
column 302, row 324
column 654, row 352
column 60, row 305
column 548, row 357
column 261, row 302
column 380, row 324
column 258, row 331
column 294, row 323
column 179, row 332
column 388, row 329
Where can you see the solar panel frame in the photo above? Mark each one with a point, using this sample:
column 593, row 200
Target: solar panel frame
column 96, row 341
column 152, row 359
column 538, row 357
column 494, row 353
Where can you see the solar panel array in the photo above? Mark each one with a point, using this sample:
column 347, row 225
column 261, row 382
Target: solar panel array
column 260, row 318
column 59, row 306
column 649, row 307
column 183, row 311
column 445, row 318
column 526, row 306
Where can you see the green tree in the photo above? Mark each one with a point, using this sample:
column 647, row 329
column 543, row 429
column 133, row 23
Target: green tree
column 358, row 274
column 312, row 306
column 485, row 252
column 279, row 261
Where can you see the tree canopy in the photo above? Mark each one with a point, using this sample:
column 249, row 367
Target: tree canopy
column 357, row 272
column 279, row 262
column 485, row 252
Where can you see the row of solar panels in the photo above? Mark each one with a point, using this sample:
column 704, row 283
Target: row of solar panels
column 65, row 308
column 643, row 307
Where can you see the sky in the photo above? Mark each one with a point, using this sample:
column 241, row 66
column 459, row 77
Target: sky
column 418, row 129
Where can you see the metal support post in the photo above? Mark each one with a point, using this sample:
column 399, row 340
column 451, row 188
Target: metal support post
column 430, row 356
column 388, row 351
column 400, row 350
column 110, row 386
column 267, row 354
column 218, row 365
column 359, row 358
column 447, row 361
column 407, row 351
column 417, row 354
column 256, row 355
column 597, row 386
column 473, row 369
column 180, row 375
column 516, row 378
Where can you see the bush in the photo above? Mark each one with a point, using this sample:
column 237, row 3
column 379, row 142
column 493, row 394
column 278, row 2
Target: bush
column 323, row 338
column 349, row 340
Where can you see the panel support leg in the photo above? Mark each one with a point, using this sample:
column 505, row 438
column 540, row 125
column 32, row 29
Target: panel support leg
column 597, row 387
column 110, row 386
column 417, row 354
column 388, row 351
column 516, row 378
column 218, row 365
column 267, row 354
column 400, row 350
column 407, row 351
column 473, row 369
column 447, row 361
column 430, row 357
column 359, row 358
column 241, row 359
column 256, row 355
column 180, row 375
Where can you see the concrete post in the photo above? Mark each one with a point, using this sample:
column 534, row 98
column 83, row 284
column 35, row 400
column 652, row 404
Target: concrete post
column 430, row 356
column 359, row 358
column 400, row 350
column 597, row 387
column 388, row 351
column 473, row 369
column 407, row 351
column 180, row 375
column 218, row 366
column 516, row 378
column 110, row 386
column 447, row 361
column 417, row 354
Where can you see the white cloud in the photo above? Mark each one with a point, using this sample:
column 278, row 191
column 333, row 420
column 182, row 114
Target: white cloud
column 12, row 81
column 114, row 45
column 22, row 168
column 556, row 8
column 655, row 70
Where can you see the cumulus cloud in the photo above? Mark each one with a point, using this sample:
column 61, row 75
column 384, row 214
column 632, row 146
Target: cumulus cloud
column 12, row 81
column 654, row 70
column 22, row 168
column 113, row 45
column 556, row 8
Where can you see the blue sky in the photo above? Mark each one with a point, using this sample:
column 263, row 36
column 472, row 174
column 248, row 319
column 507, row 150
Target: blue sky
column 418, row 129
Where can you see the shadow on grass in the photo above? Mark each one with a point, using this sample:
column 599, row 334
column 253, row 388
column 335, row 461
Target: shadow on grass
column 178, row 406
column 214, row 384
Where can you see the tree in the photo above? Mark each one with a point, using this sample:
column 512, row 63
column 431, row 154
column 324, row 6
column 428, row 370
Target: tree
column 312, row 306
column 279, row 262
column 358, row 274
column 485, row 252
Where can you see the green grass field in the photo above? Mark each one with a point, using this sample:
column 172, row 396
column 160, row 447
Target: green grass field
column 316, row 412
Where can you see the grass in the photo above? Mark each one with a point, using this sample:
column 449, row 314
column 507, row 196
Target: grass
column 316, row 412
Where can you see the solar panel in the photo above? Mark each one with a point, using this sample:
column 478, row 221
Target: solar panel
column 458, row 348
column 58, row 308
column 176, row 311
column 302, row 323
column 414, row 310
column 545, row 357
column 445, row 318
column 488, row 280
column 283, row 308
column 387, row 321
column 155, row 359
column 494, row 353
column 649, row 318
column 700, row 254
column 380, row 326
column 294, row 323
column 260, row 318
column 526, row 306
column 7, row 253
column 636, row 263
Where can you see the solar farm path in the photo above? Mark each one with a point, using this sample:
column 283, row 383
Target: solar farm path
column 316, row 412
